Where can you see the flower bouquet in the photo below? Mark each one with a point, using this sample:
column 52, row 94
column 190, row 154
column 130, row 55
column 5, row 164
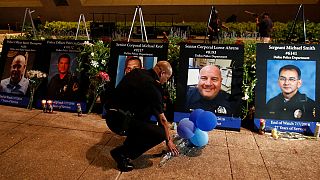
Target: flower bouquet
column 92, row 62
column 98, row 83
column 35, row 78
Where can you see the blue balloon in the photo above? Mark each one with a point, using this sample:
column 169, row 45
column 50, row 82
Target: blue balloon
column 206, row 121
column 186, row 128
column 195, row 114
column 200, row 138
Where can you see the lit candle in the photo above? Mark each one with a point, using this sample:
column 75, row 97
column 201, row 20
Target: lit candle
column 50, row 107
column 79, row 110
column 44, row 105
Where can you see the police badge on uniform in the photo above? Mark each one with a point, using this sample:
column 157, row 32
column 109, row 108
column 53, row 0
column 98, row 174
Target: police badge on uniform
column 221, row 110
column 297, row 113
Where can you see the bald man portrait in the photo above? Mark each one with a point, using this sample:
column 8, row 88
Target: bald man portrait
column 16, row 83
column 208, row 95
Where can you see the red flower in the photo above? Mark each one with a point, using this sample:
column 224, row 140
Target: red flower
column 104, row 76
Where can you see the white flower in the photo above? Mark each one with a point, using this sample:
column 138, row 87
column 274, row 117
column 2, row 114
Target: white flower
column 94, row 64
column 92, row 54
column 87, row 43
column 31, row 74
column 246, row 97
column 103, row 62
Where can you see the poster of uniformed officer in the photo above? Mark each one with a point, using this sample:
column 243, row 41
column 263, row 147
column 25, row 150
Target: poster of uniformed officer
column 66, row 86
column 290, row 90
column 210, row 79
column 287, row 90
column 126, row 56
column 287, row 82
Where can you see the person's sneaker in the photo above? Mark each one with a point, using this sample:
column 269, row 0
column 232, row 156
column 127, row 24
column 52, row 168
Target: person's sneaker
column 123, row 163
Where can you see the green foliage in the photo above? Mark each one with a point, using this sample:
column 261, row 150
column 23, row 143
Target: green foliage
column 249, row 76
column 95, row 57
column 93, row 60
column 249, row 79
column 241, row 28
column 280, row 32
column 173, row 59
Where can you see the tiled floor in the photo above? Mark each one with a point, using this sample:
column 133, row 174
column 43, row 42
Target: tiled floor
column 37, row 145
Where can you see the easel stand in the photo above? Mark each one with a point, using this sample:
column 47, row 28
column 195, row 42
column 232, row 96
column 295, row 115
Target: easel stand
column 82, row 18
column 28, row 12
column 300, row 10
column 142, row 26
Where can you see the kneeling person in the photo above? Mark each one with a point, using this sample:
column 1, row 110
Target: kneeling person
column 137, row 97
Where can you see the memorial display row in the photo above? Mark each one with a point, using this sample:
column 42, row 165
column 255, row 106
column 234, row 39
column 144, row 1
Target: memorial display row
column 209, row 78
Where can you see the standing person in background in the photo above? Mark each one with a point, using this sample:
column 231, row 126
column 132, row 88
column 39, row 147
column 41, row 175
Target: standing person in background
column 214, row 27
column 37, row 23
column 265, row 26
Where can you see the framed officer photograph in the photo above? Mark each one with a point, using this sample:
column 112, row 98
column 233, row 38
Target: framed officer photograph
column 17, row 58
column 128, row 63
column 210, row 79
column 66, row 86
column 63, row 80
column 126, row 56
column 287, row 90
column 290, row 89
column 14, row 79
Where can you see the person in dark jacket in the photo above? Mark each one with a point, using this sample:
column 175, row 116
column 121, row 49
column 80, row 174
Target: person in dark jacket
column 134, row 101
column 265, row 26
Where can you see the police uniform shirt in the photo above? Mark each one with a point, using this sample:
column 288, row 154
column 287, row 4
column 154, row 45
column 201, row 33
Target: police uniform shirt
column 219, row 105
column 62, row 89
column 140, row 93
column 298, row 107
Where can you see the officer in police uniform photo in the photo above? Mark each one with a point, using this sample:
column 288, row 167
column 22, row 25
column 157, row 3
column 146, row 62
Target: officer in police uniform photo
column 208, row 94
column 291, row 104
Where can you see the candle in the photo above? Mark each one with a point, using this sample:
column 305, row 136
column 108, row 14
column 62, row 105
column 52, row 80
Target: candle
column 79, row 110
column 50, row 107
column 44, row 105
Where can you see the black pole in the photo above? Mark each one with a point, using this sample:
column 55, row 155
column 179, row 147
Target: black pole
column 304, row 25
column 294, row 24
column 209, row 20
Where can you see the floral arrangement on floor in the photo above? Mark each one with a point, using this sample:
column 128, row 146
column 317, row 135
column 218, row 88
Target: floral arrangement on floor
column 35, row 79
column 92, row 61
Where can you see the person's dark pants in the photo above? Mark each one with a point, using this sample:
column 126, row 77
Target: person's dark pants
column 213, row 37
column 141, row 137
